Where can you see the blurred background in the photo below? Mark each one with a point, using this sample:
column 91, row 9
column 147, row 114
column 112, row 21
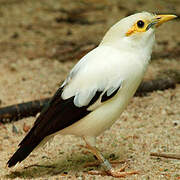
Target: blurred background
column 65, row 30
column 41, row 40
column 49, row 29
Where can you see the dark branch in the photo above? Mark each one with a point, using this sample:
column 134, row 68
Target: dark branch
column 166, row 155
column 154, row 85
column 19, row 111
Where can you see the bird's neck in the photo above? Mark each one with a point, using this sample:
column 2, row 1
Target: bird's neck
column 143, row 48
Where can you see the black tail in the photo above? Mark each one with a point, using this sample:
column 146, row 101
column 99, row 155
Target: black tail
column 20, row 154
column 27, row 145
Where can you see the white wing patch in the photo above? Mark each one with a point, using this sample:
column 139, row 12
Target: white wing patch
column 84, row 97
column 93, row 78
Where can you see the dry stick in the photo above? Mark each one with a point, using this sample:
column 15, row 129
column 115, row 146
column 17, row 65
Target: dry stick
column 19, row 111
column 166, row 155
column 37, row 165
column 154, row 85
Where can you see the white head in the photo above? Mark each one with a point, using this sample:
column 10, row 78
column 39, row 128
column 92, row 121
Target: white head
column 135, row 31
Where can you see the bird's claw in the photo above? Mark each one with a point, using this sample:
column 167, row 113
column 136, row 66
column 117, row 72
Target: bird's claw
column 119, row 173
column 113, row 173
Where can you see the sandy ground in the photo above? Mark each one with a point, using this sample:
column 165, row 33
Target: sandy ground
column 33, row 37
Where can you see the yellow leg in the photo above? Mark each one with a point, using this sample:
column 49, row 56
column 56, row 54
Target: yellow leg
column 106, row 165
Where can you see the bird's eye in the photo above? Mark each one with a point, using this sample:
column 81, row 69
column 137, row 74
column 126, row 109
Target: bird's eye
column 140, row 24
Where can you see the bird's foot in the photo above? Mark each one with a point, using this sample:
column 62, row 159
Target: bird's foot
column 109, row 170
column 114, row 173
column 120, row 172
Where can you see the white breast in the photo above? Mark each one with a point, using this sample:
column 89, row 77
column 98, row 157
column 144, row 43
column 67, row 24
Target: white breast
column 104, row 116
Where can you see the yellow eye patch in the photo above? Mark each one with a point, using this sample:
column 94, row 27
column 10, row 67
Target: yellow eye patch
column 139, row 26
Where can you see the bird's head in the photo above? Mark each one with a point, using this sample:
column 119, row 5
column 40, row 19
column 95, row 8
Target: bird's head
column 136, row 31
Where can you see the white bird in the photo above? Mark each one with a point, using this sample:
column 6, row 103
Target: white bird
column 98, row 88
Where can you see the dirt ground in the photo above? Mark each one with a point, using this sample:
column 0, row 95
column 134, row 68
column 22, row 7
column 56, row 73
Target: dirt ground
column 40, row 41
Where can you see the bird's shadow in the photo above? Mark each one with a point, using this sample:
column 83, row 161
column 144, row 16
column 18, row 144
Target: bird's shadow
column 62, row 165
column 74, row 163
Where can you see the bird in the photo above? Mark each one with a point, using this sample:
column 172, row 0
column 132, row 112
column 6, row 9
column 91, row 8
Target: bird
column 98, row 88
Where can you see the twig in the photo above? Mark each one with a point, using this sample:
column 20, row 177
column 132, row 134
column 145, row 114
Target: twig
column 154, row 85
column 37, row 165
column 19, row 111
column 166, row 155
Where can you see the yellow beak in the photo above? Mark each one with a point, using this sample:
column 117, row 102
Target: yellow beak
column 164, row 18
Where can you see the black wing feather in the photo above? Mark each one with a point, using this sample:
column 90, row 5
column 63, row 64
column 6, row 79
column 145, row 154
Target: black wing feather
column 56, row 115
column 105, row 97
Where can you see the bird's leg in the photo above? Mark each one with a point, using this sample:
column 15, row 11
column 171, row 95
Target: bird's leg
column 97, row 163
column 106, row 165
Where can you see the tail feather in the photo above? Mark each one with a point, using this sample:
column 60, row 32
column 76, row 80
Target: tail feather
column 21, row 154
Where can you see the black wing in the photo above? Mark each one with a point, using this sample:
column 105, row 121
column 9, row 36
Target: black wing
column 57, row 115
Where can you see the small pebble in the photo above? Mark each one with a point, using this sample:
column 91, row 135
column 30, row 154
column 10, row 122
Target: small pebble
column 15, row 35
column 14, row 129
column 44, row 157
column 175, row 123
column 6, row 137
column 26, row 127
column 112, row 156
column 79, row 178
